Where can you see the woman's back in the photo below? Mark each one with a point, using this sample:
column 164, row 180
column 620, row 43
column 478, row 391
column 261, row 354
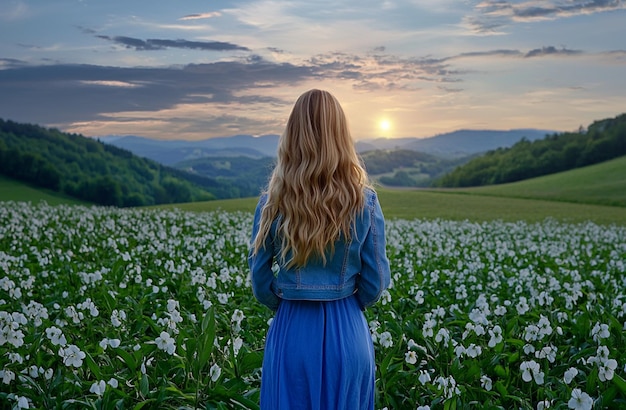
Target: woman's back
column 323, row 226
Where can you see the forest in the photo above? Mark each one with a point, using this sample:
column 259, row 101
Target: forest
column 95, row 172
column 602, row 141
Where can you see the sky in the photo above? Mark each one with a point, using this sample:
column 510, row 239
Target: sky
column 194, row 69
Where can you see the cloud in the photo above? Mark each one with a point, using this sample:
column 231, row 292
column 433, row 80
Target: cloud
column 11, row 63
column 160, row 44
column 551, row 51
column 491, row 16
column 199, row 16
column 64, row 93
column 217, row 92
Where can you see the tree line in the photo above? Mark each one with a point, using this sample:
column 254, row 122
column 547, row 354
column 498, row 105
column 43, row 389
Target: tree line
column 407, row 168
column 90, row 170
column 602, row 141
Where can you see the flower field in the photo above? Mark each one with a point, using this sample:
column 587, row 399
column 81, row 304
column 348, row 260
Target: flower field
column 115, row 308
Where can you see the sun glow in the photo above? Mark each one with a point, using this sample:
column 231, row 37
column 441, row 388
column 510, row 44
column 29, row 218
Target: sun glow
column 384, row 125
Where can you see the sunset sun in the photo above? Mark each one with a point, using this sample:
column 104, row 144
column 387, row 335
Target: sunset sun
column 384, row 125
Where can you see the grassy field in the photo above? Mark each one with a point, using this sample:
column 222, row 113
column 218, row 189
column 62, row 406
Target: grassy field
column 532, row 200
column 603, row 184
column 12, row 190
column 411, row 204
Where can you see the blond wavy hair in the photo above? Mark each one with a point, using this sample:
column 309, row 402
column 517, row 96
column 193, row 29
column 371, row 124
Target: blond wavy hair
column 318, row 184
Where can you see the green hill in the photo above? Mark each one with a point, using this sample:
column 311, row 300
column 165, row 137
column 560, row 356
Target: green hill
column 603, row 183
column 602, row 141
column 407, row 168
column 396, row 203
column 91, row 171
column 423, row 204
column 12, row 190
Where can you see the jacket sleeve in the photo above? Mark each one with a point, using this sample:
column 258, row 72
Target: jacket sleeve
column 260, row 264
column 375, row 271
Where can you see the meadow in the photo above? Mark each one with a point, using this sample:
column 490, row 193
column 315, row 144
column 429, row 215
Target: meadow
column 603, row 184
column 107, row 308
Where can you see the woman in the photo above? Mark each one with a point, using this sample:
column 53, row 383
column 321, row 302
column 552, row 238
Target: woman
column 322, row 226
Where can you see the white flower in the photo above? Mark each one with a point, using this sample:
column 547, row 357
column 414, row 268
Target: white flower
column 486, row 382
column 448, row 385
column 528, row 348
column 117, row 316
column 531, row 370
column 385, row 297
column 606, row 369
column 385, row 339
column 72, row 356
column 429, row 324
column 544, row 404
column 600, row 331
column 531, row 333
column 580, row 400
column 473, row 350
column 98, row 387
column 172, row 305
column 166, row 343
column 496, row 336
column 48, row 374
column 570, row 374
column 424, row 377
column 459, row 350
column 547, row 352
column 7, row 376
column 423, row 407
column 237, row 344
column 410, row 357
column 114, row 343
column 500, row 310
column 113, row 383
column 215, row 372
column 545, row 329
column 222, row 298
column 33, row 371
column 237, row 316
column 443, row 335
column 22, row 403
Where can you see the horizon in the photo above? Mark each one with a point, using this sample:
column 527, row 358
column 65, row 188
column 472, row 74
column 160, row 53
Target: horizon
column 400, row 68
column 355, row 139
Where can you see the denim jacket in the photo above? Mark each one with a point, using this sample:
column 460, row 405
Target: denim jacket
column 358, row 266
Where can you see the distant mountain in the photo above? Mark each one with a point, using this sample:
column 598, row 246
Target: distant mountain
column 456, row 144
column 450, row 145
column 170, row 152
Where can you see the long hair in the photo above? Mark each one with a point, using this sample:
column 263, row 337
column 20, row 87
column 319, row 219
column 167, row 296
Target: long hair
column 318, row 184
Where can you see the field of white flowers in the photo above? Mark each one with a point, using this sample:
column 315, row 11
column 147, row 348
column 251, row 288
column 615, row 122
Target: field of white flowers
column 108, row 308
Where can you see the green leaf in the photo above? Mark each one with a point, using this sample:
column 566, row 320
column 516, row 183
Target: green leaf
column 127, row 358
column 450, row 404
column 501, row 388
column 143, row 403
column 144, row 385
column 620, row 383
column 92, row 366
column 205, row 347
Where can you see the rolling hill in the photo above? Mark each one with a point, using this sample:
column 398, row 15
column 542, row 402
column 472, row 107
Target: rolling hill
column 91, row 171
column 603, row 183
column 603, row 140
column 456, row 204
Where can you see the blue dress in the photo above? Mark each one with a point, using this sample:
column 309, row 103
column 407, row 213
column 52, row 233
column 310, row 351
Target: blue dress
column 318, row 355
